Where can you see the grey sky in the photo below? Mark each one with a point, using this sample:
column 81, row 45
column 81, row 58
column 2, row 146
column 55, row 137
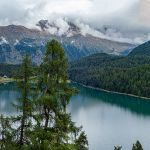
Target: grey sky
column 126, row 15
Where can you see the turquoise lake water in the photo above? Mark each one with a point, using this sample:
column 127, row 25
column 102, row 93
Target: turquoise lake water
column 108, row 119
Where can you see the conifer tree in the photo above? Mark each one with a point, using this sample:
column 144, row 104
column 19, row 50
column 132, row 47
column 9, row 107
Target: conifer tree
column 117, row 147
column 55, row 94
column 137, row 146
column 23, row 80
column 43, row 122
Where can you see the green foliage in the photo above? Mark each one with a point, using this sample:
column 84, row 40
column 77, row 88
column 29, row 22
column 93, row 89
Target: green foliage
column 117, row 147
column 137, row 146
column 25, row 107
column 8, row 70
column 121, row 74
column 43, row 122
column 103, row 60
column 143, row 49
column 57, row 130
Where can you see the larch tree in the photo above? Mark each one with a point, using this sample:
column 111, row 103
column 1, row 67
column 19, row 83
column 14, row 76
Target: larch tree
column 57, row 128
column 25, row 104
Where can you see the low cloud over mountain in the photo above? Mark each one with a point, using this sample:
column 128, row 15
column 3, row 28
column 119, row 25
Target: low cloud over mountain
column 63, row 26
column 124, row 14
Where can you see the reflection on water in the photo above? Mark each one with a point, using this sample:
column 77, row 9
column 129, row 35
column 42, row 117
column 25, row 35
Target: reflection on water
column 135, row 105
column 108, row 119
column 8, row 96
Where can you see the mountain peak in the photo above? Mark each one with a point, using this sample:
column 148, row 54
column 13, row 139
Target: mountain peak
column 59, row 27
column 43, row 24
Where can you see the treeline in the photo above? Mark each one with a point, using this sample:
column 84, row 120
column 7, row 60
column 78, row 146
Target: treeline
column 121, row 74
column 42, row 122
column 97, row 60
column 141, row 50
column 136, row 146
column 8, row 70
column 103, row 60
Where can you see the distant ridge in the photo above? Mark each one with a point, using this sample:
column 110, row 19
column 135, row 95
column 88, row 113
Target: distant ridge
column 16, row 40
column 141, row 50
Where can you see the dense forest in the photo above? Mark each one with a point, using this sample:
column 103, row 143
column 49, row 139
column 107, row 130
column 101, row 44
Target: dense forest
column 130, row 74
column 141, row 50
column 8, row 69
column 126, row 74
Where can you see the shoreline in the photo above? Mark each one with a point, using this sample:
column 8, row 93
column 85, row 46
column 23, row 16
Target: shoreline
column 8, row 80
column 5, row 80
column 113, row 92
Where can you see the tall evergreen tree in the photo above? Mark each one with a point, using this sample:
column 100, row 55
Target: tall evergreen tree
column 43, row 123
column 15, row 128
column 55, row 93
column 23, row 80
column 137, row 146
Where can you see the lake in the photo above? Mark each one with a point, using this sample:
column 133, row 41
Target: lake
column 108, row 119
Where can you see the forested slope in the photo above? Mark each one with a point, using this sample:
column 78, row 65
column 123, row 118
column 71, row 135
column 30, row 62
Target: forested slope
column 129, row 74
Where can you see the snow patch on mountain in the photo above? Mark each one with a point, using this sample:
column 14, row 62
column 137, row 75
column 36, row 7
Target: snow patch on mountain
column 16, row 42
column 72, row 41
column 3, row 40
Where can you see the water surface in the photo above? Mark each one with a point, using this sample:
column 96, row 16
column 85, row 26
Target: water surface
column 108, row 119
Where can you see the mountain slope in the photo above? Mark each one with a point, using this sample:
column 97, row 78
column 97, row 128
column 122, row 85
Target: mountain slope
column 141, row 50
column 17, row 40
column 121, row 74
column 102, row 60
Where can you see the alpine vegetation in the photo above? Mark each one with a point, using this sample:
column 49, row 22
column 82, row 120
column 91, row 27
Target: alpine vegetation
column 43, row 122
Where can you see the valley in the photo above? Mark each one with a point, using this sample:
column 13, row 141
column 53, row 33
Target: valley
column 74, row 75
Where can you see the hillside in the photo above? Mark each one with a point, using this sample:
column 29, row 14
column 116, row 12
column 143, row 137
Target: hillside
column 102, row 60
column 121, row 74
column 143, row 50
column 8, row 70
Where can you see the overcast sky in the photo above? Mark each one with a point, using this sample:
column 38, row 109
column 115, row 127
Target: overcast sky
column 127, row 14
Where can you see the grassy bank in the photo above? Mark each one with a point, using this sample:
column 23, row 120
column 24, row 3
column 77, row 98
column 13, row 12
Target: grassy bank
column 5, row 80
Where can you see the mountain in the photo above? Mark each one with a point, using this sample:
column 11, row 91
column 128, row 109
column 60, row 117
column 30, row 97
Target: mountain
column 103, row 60
column 141, row 50
column 17, row 40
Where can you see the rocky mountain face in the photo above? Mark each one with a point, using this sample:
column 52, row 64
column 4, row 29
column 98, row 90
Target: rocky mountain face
column 15, row 41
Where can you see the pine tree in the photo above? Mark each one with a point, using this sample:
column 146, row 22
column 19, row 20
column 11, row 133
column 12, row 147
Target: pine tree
column 117, row 147
column 137, row 146
column 43, row 122
column 53, row 79
column 5, row 132
column 23, row 80
column 55, row 94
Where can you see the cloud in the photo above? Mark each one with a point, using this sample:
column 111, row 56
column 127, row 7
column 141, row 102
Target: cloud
column 129, row 16
column 62, row 26
column 144, row 12
column 90, row 11
column 110, row 33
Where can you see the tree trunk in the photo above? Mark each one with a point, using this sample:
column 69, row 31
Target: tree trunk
column 46, row 117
